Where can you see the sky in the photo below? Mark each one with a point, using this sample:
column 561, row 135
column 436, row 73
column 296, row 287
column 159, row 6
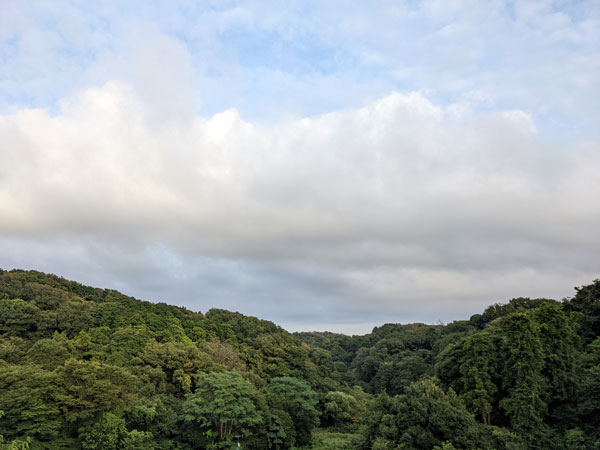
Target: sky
column 326, row 165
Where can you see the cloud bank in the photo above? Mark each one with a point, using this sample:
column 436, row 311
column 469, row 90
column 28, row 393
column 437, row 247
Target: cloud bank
column 329, row 165
column 399, row 210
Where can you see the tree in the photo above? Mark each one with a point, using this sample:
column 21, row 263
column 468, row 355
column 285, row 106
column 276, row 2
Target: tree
column 28, row 399
column 178, row 360
column 426, row 416
column 155, row 414
column 222, row 407
column 225, row 355
column 138, row 440
column 377, row 408
column 421, row 418
column 280, row 430
column 477, row 368
column 106, row 434
column 521, row 377
column 340, row 408
column 89, row 388
column 16, row 444
column 588, row 405
column 17, row 317
column 587, row 301
column 50, row 353
column 297, row 399
column 559, row 342
column 110, row 433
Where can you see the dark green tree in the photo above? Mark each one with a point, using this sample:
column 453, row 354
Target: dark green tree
column 420, row 419
column 588, row 404
column 15, row 444
column 297, row 399
column 18, row 318
column 222, row 407
column 522, row 378
column 478, row 367
column 559, row 348
column 106, row 434
column 587, row 302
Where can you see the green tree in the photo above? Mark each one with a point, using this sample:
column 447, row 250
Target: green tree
column 427, row 416
column 138, row 440
column 522, row 379
column 158, row 415
column 222, row 406
column 587, row 302
column 280, row 430
column 297, row 399
column 27, row 397
column 89, row 388
column 17, row 317
column 477, row 368
column 106, row 434
column 340, row 408
column 574, row 440
column 559, row 347
column 50, row 353
column 15, row 444
column 110, row 433
column 178, row 360
column 588, row 404
column 421, row 418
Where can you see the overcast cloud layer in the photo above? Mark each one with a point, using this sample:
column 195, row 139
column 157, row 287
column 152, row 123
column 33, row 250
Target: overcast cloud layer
column 316, row 165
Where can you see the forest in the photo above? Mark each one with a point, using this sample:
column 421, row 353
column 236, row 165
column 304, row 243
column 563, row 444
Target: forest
column 93, row 369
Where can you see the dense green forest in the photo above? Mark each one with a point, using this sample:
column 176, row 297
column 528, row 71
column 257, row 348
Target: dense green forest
column 93, row 369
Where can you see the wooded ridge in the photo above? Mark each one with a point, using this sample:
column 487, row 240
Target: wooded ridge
column 93, row 369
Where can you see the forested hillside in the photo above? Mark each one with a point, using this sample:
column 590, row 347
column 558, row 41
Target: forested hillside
column 521, row 375
column 93, row 369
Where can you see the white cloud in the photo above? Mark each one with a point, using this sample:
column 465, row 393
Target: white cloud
column 399, row 210
column 476, row 184
column 304, row 59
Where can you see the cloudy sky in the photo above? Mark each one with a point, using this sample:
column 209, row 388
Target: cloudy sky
column 321, row 164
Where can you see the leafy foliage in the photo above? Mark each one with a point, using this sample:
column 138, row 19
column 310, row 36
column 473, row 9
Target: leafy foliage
column 298, row 401
column 223, row 407
column 87, row 368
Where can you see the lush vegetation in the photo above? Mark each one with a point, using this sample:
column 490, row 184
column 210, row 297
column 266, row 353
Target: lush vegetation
column 92, row 369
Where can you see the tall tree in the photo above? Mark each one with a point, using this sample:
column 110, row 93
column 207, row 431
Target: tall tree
column 477, row 368
column 559, row 346
column 522, row 378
